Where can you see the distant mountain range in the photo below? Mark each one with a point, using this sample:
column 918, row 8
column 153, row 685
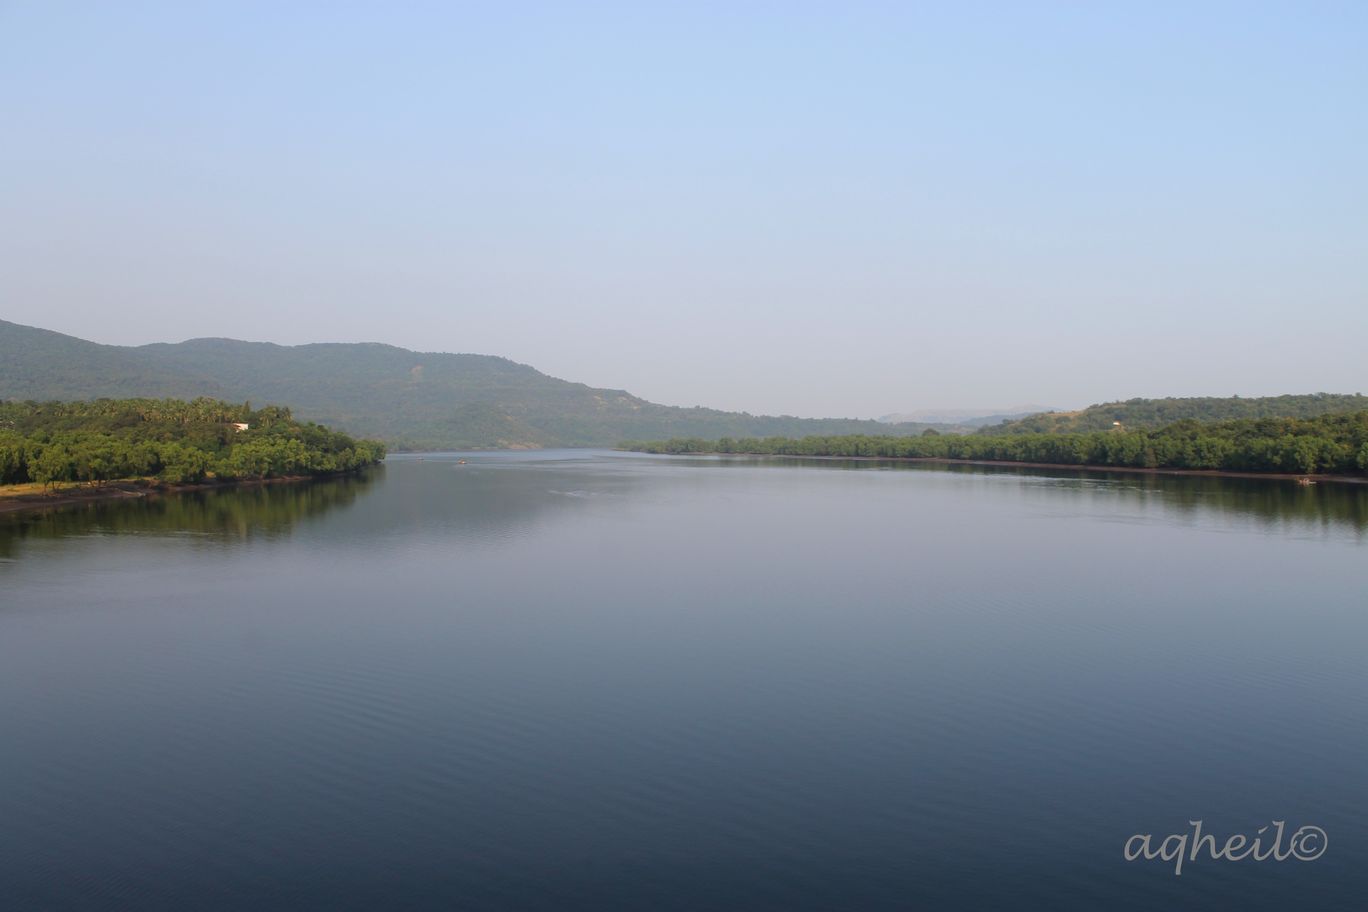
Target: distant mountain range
column 427, row 400
column 414, row 400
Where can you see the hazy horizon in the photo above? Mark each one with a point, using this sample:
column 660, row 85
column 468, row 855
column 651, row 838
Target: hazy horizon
column 932, row 413
column 847, row 212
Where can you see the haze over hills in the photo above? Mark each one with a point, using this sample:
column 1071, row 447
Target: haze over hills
column 967, row 417
column 419, row 400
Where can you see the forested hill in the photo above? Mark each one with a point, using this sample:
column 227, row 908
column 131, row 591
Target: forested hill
column 1155, row 413
column 418, row 400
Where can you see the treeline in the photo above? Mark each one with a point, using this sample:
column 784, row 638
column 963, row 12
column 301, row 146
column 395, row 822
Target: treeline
column 169, row 439
column 1335, row 444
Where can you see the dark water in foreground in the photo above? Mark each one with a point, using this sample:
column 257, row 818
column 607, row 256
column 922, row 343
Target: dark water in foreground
column 569, row 681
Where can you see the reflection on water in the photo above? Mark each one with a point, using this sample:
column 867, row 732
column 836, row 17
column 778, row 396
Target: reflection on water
column 230, row 513
column 1272, row 503
column 484, row 498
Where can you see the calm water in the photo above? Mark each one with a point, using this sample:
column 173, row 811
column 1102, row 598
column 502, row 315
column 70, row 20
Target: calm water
column 573, row 680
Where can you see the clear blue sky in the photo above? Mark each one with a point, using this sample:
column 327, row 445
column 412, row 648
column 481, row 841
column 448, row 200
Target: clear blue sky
column 819, row 209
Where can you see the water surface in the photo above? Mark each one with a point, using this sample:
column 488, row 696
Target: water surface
column 578, row 680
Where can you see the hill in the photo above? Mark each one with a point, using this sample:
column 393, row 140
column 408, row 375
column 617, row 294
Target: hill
column 1155, row 413
column 39, row 364
column 413, row 400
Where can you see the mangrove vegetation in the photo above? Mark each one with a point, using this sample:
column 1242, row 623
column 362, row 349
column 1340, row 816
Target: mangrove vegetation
column 171, row 440
column 1331, row 444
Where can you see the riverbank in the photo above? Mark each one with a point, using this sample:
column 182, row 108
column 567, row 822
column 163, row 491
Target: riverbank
column 137, row 489
column 1007, row 463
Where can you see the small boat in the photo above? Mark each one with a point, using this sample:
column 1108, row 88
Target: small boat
column 1304, row 481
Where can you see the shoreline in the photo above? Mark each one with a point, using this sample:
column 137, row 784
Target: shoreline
column 1007, row 463
column 136, row 490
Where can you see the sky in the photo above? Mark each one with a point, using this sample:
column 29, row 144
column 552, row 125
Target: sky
column 819, row 209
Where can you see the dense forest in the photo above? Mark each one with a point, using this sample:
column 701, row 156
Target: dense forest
column 1336, row 444
column 412, row 400
column 1157, row 413
column 169, row 439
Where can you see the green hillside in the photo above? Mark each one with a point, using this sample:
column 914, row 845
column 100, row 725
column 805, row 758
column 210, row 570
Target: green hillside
column 415, row 400
column 1155, row 413
column 38, row 364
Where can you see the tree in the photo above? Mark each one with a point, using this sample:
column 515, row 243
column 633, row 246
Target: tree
column 182, row 464
column 54, row 463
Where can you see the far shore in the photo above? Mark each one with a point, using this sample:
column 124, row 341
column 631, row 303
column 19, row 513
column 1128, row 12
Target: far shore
column 1007, row 463
column 132, row 490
